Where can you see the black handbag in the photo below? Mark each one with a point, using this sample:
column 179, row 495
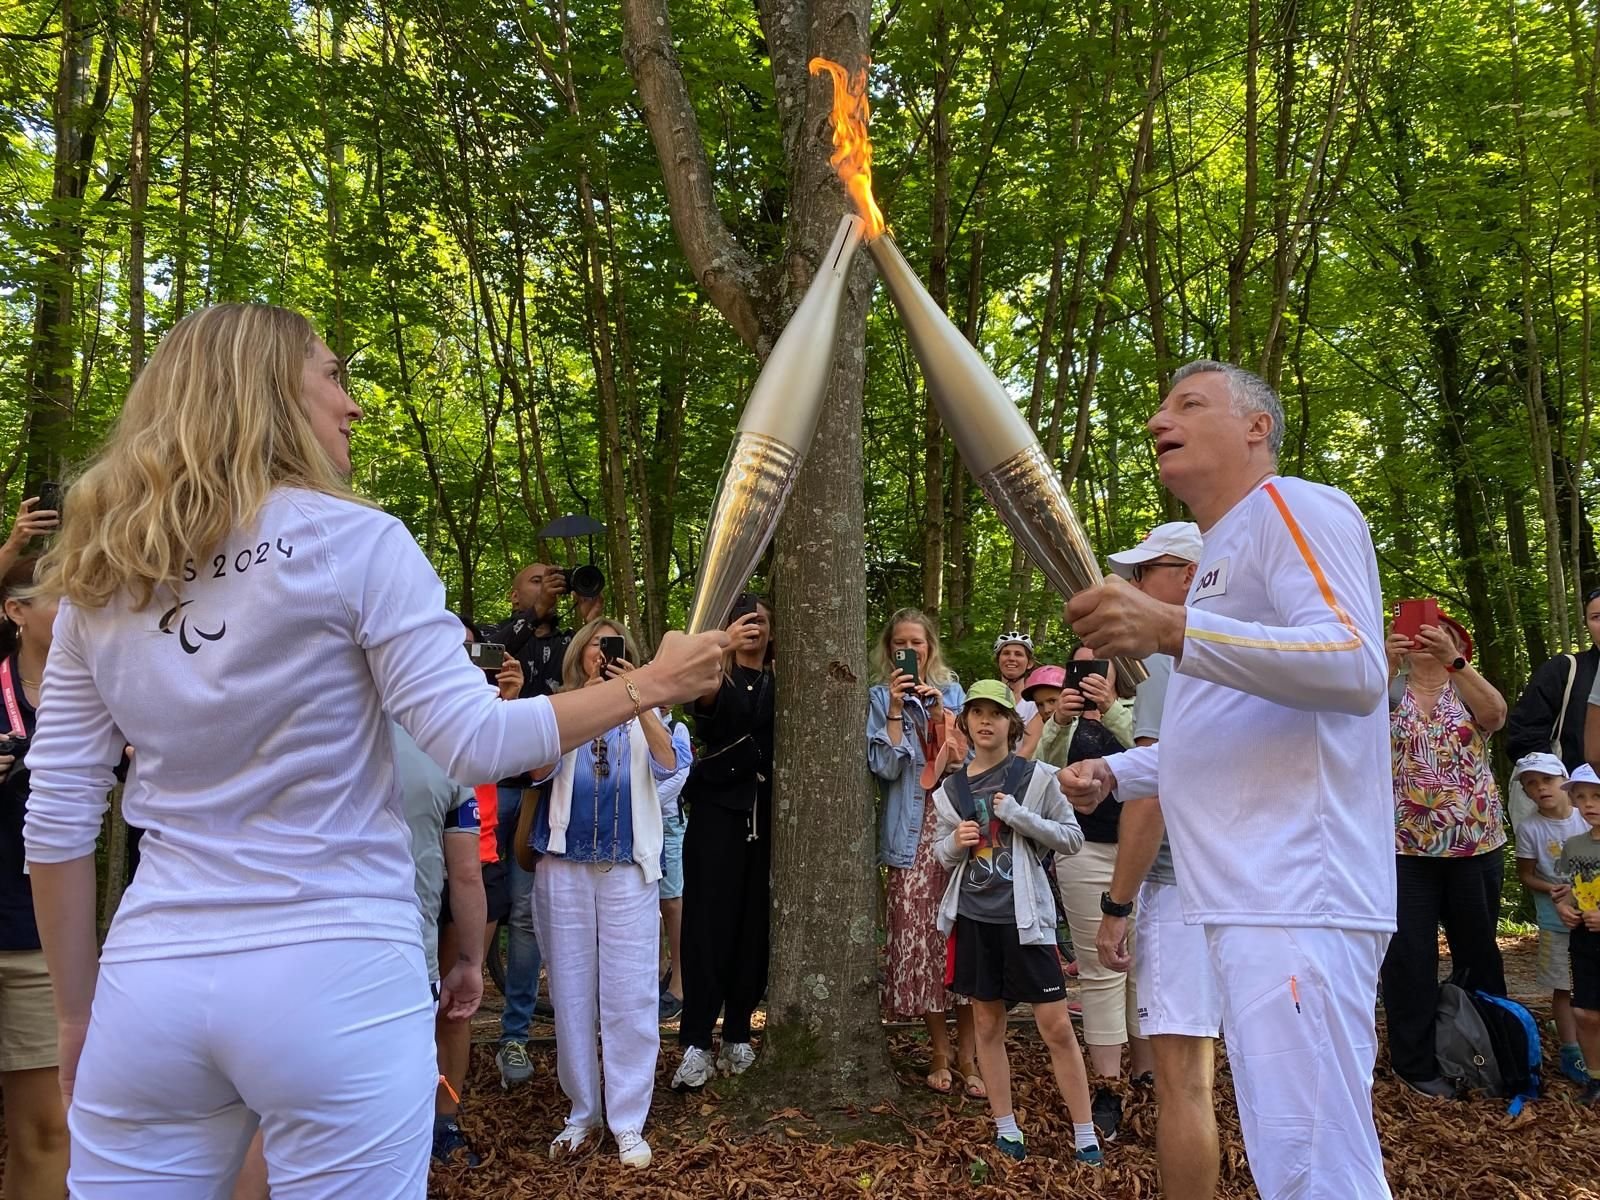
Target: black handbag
column 729, row 776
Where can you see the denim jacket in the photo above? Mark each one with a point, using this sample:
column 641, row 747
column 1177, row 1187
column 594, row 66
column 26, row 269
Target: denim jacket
column 898, row 771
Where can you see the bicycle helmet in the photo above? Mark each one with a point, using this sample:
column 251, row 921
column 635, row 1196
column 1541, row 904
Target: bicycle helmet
column 1014, row 638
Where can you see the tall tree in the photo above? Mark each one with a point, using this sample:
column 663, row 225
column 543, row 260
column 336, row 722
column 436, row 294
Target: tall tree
column 822, row 1033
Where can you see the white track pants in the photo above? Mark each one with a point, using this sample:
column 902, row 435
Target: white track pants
column 597, row 927
column 1303, row 1078
column 327, row 1045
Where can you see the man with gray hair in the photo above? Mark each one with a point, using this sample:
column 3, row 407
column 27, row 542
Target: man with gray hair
column 1273, row 772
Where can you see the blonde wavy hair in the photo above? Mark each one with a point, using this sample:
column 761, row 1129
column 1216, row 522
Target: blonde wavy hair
column 572, row 676
column 935, row 671
column 213, row 424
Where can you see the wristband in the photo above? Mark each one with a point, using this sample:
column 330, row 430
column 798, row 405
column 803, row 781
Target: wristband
column 633, row 694
column 1112, row 909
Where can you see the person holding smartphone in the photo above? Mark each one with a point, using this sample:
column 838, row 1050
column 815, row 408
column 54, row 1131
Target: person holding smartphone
column 727, row 854
column 912, row 743
column 597, row 833
column 36, row 1123
column 33, row 520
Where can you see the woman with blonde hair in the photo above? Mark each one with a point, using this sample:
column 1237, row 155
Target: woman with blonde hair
column 234, row 612
column 912, row 743
column 598, row 835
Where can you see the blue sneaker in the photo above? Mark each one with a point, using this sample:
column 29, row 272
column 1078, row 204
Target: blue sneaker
column 450, row 1147
column 1572, row 1065
column 1090, row 1156
column 1011, row 1147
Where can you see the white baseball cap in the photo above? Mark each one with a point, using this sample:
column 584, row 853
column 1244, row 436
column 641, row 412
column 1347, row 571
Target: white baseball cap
column 1584, row 774
column 1175, row 539
column 1542, row 762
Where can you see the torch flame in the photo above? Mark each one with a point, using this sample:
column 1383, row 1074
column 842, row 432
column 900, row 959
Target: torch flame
column 852, row 148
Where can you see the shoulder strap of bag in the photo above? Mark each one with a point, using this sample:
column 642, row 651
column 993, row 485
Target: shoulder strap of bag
column 959, row 789
column 1566, row 697
column 1019, row 777
column 8, row 689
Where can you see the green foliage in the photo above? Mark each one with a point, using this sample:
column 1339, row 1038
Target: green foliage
column 413, row 174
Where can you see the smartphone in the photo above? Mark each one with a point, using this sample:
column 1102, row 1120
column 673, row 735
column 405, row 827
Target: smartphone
column 49, row 496
column 1078, row 668
column 1411, row 615
column 742, row 607
column 613, row 649
column 491, row 656
column 905, row 661
column 980, row 805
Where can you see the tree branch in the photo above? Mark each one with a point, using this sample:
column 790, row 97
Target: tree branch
column 730, row 275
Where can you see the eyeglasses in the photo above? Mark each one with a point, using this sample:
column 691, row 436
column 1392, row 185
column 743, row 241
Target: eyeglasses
column 1140, row 568
column 602, row 760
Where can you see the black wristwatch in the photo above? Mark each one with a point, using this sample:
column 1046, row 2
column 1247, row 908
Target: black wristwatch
column 1111, row 908
column 1459, row 665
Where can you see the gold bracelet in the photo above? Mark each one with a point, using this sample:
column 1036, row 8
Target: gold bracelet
column 633, row 694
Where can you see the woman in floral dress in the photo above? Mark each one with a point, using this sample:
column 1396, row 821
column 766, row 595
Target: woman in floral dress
column 912, row 743
column 1449, row 839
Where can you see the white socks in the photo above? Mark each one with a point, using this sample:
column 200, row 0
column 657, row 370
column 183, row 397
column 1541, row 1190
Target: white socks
column 1083, row 1136
column 1006, row 1127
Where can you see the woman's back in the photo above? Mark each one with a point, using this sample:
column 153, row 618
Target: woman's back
column 262, row 767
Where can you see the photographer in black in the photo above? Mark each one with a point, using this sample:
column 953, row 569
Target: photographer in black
column 727, row 854
column 36, row 1126
column 533, row 634
column 534, row 637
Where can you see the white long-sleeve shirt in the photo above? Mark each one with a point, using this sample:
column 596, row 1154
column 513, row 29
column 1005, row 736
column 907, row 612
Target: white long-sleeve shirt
column 263, row 771
column 1273, row 765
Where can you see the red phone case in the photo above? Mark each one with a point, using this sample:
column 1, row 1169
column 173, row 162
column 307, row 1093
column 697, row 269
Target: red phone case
column 1411, row 615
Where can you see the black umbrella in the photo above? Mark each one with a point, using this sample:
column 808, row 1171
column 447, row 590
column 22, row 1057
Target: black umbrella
column 573, row 525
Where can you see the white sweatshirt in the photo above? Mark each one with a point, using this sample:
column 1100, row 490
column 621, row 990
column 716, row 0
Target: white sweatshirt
column 1273, row 765
column 263, row 772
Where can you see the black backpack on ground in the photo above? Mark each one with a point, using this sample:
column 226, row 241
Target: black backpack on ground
column 1488, row 1043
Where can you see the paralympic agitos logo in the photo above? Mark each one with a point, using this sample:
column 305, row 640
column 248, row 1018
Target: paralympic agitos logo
column 183, row 629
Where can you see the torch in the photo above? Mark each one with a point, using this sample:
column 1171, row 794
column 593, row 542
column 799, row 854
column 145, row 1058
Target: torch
column 994, row 442
column 774, row 434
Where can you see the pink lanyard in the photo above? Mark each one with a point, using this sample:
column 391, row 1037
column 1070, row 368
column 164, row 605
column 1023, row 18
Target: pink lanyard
column 8, row 689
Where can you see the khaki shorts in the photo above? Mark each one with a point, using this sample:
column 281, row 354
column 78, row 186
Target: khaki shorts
column 1555, row 961
column 27, row 1012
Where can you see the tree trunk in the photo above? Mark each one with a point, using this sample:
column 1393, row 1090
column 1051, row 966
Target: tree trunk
column 824, row 1042
column 933, row 439
column 1239, row 264
column 180, row 254
column 77, row 118
column 139, row 184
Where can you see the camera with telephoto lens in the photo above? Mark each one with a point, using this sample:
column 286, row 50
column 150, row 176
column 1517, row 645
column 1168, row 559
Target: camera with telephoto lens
column 587, row 581
column 13, row 744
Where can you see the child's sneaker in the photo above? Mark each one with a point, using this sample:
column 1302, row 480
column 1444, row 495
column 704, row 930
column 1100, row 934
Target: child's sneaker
column 1090, row 1156
column 1011, row 1147
column 1572, row 1065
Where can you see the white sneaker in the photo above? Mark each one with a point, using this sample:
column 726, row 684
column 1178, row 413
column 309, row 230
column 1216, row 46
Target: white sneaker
column 572, row 1140
column 735, row 1058
column 696, row 1070
column 633, row 1150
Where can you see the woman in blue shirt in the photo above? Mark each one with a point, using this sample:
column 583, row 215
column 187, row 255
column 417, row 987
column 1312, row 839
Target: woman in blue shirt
column 911, row 745
column 598, row 837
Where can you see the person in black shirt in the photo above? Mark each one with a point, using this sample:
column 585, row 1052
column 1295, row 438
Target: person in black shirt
column 36, row 1126
column 533, row 632
column 727, row 855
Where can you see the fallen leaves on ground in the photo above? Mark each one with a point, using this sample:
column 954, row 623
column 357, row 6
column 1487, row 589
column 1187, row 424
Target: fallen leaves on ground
column 1433, row 1150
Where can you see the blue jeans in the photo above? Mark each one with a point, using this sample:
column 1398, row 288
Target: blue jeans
column 522, row 950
